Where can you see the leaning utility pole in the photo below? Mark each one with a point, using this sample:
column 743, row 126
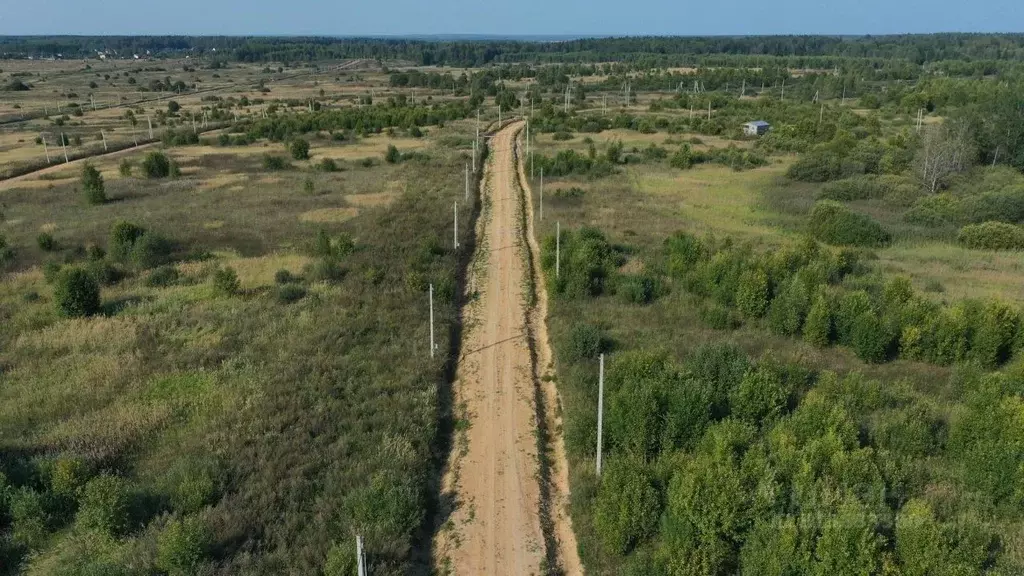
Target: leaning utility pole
column 360, row 557
column 64, row 144
column 431, row 320
column 558, row 248
column 104, row 136
column 45, row 150
column 600, row 410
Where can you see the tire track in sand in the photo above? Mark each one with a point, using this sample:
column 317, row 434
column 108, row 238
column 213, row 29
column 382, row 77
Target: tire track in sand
column 495, row 527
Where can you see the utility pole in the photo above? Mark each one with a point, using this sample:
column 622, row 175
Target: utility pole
column 709, row 109
column 474, row 156
column 600, row 411
column 467, row 182
column 431, row 320
column 558, row 249
column 104, row 136
column 360, row 557
column 783, row 89
column 743, row 90
column 64, row 145
column 844, row 95
column 45, row 150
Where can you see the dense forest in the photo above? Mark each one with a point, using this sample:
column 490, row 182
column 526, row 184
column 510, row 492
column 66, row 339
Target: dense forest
column 915, row 49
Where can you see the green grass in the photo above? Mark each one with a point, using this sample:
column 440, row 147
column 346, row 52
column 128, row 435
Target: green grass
column 307, row 422
column 637, row 209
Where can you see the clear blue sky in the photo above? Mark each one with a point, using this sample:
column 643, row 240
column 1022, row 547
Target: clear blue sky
column 583, row 17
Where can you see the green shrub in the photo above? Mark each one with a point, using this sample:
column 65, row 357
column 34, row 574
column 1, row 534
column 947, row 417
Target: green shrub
column 789, row 308
column 871, row 338
column 76, row 293
column 299, row 149
column 106, row 273
column 290, row 293
column 51, row 269
column 29, row 518
column 6, row 252
column 949, row 334
column 719, row 317
column 639, row 289
column 327, row 165
column 46, row 242
column 562, row 136
column 816, row 167
column 682, row 159
column 151, row 250
column 92, row 185
column 934, row 211
column 67, row 476
column 818, row 327
column 225, row 281
column 182, row 546
column 851, row 306
column 105, row 505
column 392, row 156
column 1000, row 205
column 308, row 186
column 866, row 187
column 162, row 277
column 324, row 270
column 752, row 293
column 683, row 252
column 997, row 330
column 834, row 223
column 587, row 262
column 283, row 276
column 627, row 506
column 341, row 560
column 762, row 395
column 123, row 236
column 156, row 165
column 584, row 342
column 274, row 163
column 991, row 236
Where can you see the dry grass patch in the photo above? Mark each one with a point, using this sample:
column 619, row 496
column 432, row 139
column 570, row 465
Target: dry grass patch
column 373, row 199
column 329, row 215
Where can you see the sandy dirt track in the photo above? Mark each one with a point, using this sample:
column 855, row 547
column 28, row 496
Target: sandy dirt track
column 567, row 552
column 495, row 526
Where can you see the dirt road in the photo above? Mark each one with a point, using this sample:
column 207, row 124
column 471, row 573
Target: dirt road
column 495, row 527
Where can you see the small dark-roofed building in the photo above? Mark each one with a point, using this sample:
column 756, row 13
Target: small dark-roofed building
column 756, row 128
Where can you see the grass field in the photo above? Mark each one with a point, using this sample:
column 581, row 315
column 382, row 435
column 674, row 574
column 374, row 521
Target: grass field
column 640, row 206
column 266, row 415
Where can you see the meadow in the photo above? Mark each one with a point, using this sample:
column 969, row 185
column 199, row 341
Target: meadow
column 725, row 404
column 230, row 408
column 217, row 363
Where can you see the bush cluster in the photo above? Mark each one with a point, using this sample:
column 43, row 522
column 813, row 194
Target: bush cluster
column 587, row 266
column 834, row 223
column 799, row 292
column 992, row 236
